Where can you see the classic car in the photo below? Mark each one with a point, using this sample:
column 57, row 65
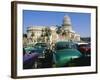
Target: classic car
column 40, row 47
column 85, row 49
column 65, row 52
column 32, row 55
column 29, row 59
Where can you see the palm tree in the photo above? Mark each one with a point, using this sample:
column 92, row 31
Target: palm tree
column 46, row 33
column 25, row 40
column 32, row 35
column 24, row 35
column 58, row 29
column 43, row 36
column 64, row 33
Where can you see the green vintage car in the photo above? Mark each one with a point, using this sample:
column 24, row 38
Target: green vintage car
column 65, row 53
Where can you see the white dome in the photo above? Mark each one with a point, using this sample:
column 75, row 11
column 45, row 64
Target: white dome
column 66, row 20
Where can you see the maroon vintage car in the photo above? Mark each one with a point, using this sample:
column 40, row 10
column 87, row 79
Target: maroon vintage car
column 85, row 49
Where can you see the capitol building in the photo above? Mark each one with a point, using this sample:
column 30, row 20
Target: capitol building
column 65, row 33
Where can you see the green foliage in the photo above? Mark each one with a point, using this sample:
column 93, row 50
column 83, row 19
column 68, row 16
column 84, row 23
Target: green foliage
column 46, row 33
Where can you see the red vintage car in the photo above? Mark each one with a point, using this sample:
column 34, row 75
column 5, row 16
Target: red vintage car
column 85, row 49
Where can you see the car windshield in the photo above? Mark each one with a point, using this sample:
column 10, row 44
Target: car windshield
column 65, row 46
column 84, row 45
column 40, row 45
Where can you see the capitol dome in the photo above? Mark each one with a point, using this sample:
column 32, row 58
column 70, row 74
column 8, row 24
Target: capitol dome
column 66, row 25
column 66, row 20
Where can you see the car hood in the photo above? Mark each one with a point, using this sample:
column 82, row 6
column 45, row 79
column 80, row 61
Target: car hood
column 64, row 56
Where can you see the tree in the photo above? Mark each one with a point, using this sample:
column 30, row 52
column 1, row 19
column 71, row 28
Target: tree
column 25, row 40
column 46, row 33
column 43, row 35
column 32, row 35
column 58, row 29
column 25, row 35
column 64, row 33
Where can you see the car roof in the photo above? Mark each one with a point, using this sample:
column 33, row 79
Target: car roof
column 63, row 42
column 82, row 43
column 41, row 43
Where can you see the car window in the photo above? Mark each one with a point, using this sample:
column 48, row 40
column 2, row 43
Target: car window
column 40, row 45
column 43, row 45
column 84, row 45
column 65, row 46
column 73, row 46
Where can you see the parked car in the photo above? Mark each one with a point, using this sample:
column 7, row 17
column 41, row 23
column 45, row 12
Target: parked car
column 65, row 52
column 28, row 49
column 34, row 55
column 85, row 49
column 40, row 47
column 29, row 59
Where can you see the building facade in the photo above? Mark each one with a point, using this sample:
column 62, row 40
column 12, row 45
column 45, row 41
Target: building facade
column 36, row 33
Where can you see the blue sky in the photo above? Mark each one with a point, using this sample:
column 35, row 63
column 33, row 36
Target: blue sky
column 80, row 21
